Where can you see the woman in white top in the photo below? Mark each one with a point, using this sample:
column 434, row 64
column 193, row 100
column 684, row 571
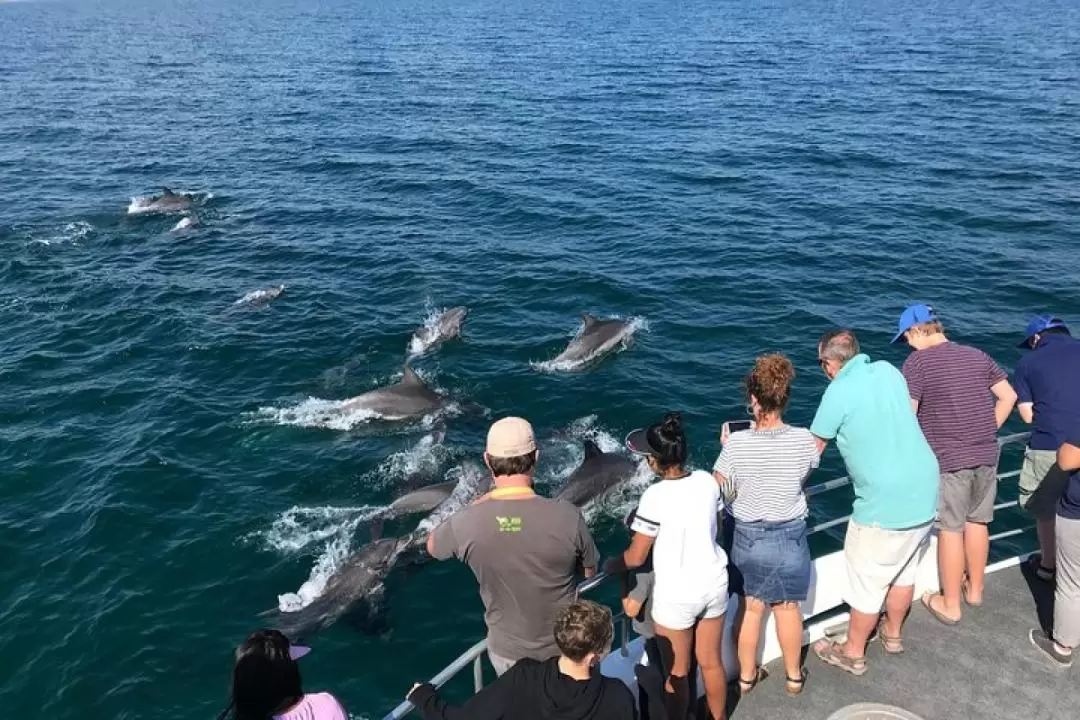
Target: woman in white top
column 676, row 520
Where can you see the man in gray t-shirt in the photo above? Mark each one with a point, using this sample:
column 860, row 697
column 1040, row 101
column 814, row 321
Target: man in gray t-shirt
column 526, row 551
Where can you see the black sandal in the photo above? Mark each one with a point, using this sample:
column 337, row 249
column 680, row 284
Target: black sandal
column 745, row 686
column 795, row 685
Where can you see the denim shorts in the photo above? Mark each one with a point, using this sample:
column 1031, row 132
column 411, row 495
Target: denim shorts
column 773, row 559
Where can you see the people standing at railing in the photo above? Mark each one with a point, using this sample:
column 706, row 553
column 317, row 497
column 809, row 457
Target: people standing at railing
column 1064, row 637
column 962, row 398
column 527, row 551
column 761, row 472
column 676, row 521
column 637, row 594
column 266, row 683
column 567, row 687
column 867, row 411
column 1047, row 381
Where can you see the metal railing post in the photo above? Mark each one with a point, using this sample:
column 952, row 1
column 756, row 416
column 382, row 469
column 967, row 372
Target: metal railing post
column 478, row 673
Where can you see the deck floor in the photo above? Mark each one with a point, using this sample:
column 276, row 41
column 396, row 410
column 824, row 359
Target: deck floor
column 984, row 668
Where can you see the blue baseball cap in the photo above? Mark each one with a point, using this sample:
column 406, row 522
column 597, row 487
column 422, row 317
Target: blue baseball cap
column 912, row 316
column 1038, row 324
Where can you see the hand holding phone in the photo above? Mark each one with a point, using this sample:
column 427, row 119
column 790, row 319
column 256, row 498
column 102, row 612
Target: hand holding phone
column 734, row 426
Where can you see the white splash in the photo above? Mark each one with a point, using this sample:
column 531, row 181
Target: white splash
column 426, row 457
column 299, row 527
column 622, row 341
column 73, row 232
column 418, row 346
column 328, row 562
column 318, row 413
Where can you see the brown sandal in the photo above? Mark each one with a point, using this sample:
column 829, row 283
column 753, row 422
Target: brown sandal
column 745, row 686
column 794, row 686
column 892, row 644
column 832, row 653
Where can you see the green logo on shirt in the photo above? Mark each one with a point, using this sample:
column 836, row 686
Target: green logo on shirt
column 508, row 524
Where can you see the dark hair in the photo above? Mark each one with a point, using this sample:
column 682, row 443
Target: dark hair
column 668, row 441
column 265, row 678
column 770, row 382
column 583, row 627
column 839, row 345
column 517, row 465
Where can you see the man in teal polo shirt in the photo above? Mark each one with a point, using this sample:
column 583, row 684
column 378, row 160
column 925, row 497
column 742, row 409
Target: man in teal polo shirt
column 867, row 410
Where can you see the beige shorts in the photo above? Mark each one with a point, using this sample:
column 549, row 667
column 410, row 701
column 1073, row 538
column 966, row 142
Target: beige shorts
column 877, row 559
column 1041, row 483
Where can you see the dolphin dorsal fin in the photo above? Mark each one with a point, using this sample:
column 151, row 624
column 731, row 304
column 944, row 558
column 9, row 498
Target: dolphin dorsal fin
column 167, row 192
column 592, row 449
column 589, row 319
column 408, row 377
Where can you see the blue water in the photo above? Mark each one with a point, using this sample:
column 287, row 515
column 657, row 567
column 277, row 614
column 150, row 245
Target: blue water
column 741, row 176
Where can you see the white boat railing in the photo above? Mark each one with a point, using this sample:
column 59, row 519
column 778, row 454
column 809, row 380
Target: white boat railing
column 474, row 655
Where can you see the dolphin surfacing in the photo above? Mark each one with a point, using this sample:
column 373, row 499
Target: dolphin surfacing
column 597, row 475
column 409, row 398
column 168, row 202
column 445, row 326
column 594, row 340
column 359, row 579
column 425, row 499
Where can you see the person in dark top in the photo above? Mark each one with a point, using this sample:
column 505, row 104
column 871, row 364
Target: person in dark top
column 1047, row 382
column 568, row 687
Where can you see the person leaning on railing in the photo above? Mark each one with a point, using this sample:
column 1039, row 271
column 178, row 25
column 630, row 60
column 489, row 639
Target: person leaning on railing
column 526, row 551
column 676, row 521
column 567, row 686
column 894, row 473
column 1060, row 645
column 1047, row 381
column 962, row 398
column 761, row 472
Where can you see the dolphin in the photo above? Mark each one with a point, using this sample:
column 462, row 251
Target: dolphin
column 409, row 398
column 168, row 201
column 262, row 297
column 595, row 338
column 426, row 499
column 187, row 222
column 446, row 326
column 360, row 578
column 598, row 473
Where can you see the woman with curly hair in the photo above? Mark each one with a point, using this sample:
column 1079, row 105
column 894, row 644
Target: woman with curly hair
column 762, row 472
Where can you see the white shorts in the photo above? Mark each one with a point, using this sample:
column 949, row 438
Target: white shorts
column 682, row 614
column 877, row 558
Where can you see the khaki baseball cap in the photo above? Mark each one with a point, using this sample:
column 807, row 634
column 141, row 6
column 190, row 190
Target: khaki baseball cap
column 510, row 437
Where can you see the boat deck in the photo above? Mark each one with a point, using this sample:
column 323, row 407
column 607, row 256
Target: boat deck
column 983, row 668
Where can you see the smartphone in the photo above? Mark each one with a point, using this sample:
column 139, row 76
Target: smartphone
column 737, row 425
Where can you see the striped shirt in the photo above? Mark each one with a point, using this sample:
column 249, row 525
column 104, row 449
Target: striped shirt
column 952, row 384
column 764, row 472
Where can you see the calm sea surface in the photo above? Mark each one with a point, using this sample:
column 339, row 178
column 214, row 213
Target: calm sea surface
column 739, row 176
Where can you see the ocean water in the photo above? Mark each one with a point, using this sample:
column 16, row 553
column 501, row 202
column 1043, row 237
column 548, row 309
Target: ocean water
column 736, row 176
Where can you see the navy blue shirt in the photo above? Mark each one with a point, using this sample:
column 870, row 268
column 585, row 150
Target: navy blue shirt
column 1069, row 504
column 1049, row 377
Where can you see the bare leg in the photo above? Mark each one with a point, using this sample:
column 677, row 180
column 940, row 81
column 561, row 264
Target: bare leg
column 860, row 625
column 789, row 630
column 1047, row 546
column 976, row 552
column 897, row 604
column 951, row 568
column 708, row 644
column 749, row 632
column 677, row 686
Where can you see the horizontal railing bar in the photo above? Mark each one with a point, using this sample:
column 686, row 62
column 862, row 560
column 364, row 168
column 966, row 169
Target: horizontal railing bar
column 1002, row 506
column 477, row 651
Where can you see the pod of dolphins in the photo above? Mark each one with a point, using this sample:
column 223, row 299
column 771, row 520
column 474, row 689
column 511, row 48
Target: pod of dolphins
column 358, row 583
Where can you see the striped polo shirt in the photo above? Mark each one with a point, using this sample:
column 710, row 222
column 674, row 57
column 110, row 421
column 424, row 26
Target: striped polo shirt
column 764, row 471
column 952, row 384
